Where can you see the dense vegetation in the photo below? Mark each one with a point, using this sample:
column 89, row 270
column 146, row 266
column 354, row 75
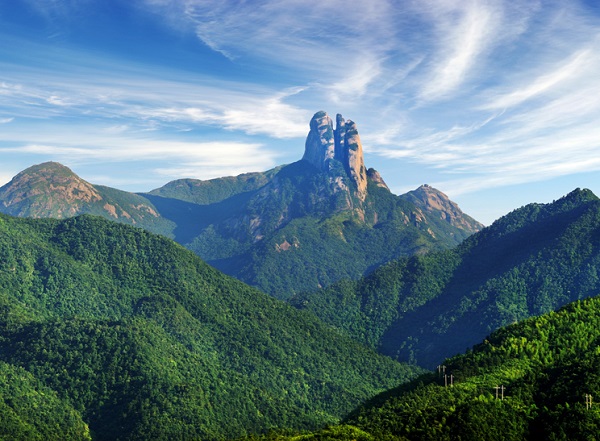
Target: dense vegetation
column 538, row 379
column 214, row 190
column 428, row 307
column 30, row 411
column 140, row 339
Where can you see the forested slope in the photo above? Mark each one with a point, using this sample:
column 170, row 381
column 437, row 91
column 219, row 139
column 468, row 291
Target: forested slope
column 428, row 307
column 535, row 380
column 143, row 340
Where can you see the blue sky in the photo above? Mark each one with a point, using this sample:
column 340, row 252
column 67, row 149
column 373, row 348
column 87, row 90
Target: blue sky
column 495, row 103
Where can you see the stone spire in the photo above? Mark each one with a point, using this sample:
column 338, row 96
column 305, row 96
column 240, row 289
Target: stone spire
column 324, row 144
column 320, row 144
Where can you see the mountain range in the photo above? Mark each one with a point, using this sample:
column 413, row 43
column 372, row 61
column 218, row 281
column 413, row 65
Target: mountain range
column 109, row 331
column 424, row 308
column 294, row 228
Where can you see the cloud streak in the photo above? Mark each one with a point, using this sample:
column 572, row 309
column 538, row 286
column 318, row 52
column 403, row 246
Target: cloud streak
column 202, row 160
column 464, row 32
column 107, row 90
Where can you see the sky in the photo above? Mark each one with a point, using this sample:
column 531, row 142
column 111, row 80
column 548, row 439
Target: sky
column 495, row 103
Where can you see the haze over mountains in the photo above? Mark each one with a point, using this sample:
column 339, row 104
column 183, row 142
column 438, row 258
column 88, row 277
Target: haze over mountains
column 294, row 228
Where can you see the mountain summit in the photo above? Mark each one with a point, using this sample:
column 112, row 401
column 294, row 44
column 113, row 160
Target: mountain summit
column 49, row 188
column 325, row 144
column 310, row 223
column 52, row 190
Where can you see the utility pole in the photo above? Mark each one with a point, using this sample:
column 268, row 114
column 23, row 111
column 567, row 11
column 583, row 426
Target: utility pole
column 501, row 389
column 446, row 380
column 441, row 369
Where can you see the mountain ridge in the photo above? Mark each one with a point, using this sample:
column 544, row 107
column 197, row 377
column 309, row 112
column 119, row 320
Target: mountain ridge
column 533, row 380
column 427, row 307
column 51, row 189
column 293, row 228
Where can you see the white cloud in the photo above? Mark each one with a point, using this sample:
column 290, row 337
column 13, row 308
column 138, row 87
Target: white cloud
column 6, row 120
column 464, row 32
column 106, row 90
column 485, row 93
column 339, row 44
column 206, row 159
column 268, row 115
column 570, row 70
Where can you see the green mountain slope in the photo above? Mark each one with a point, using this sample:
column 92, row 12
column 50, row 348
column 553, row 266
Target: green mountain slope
column 30, row 411
column 214, row 190
column 146, row 341
column 534, row 380
column 425, row 308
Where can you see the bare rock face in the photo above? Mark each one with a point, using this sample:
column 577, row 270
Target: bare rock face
column 355, row 164
column 324, row 144
column 374, row 176
column 435, row 202
column 52, row 190
column 47, row 189
column 320, row 144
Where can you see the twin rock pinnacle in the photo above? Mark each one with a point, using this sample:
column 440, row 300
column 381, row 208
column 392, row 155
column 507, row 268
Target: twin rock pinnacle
column 325, row 144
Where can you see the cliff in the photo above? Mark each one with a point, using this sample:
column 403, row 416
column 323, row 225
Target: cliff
column 324, row 144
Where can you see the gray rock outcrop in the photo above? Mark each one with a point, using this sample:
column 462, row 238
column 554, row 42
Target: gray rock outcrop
column 325, row 144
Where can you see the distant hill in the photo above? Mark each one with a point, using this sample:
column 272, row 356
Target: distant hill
column 53, row 190
column 127, row 332
column 425, row 308
column 535, row 380
column 294, row 228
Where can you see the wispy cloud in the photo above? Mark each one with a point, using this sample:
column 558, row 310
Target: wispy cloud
column 464, row 32
column 268, row 115
column 202, row 159
column 472, row 93
column 107, row 90
column 516, row 116
column 573, row 68
column 337, row 44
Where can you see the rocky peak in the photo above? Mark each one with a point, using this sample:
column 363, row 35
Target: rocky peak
column 320, row 144
column 325, row 144
column 431, row 200
column 374, row 176
column 47, row 181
